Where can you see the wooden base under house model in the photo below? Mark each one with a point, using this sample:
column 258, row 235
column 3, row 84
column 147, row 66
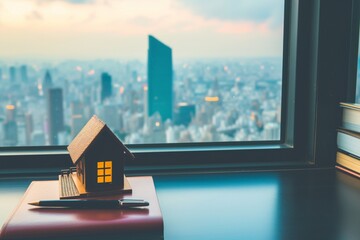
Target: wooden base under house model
column 99, row 158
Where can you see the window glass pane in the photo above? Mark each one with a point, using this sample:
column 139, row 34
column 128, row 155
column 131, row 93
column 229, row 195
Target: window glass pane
column 161, row 71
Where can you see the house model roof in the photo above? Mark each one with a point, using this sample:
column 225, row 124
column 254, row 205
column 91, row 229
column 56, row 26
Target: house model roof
column 87, row 135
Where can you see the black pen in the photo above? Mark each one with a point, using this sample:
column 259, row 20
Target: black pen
column 91, row 203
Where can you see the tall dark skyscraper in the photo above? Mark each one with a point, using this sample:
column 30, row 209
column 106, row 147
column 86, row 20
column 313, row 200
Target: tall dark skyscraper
column 106, row 86
column 55, row 114
column 160, row 79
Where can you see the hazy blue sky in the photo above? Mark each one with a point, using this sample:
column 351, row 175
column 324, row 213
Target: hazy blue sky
column 89, row 29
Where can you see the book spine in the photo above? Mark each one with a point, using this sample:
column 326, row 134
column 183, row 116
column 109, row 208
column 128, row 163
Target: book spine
column 348, row 164
column 348, row 171
column 350, row 127
column 349, row 157
column 348, row 143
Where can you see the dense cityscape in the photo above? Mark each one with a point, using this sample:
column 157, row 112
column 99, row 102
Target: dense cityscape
column 159, row 100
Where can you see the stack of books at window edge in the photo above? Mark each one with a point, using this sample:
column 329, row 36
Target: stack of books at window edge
column 348, row 140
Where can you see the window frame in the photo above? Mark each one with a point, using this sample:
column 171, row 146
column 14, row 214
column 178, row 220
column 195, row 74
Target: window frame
column 307, row 132
column 353, row 52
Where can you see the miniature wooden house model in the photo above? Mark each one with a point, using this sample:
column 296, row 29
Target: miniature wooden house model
column 99, row 157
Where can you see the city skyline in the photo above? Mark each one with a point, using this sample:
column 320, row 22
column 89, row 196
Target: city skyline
column 59, row 29
column 213, row 101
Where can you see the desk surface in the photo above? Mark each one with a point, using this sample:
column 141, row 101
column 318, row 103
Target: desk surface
column 302, row 204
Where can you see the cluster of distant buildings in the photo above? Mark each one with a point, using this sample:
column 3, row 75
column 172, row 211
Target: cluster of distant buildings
column 157, row 102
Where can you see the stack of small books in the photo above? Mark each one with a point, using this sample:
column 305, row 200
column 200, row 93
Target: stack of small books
column 348, row 140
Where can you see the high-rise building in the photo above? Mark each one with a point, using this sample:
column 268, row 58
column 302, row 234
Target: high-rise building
column 160, row 79
column 47, row 82
column 184, row 114
column 134, row 76
column 10, row 133
column 10, row 113
column 38, row 138
column 271, row 131
column 131, row 99
column 106, row 86
column 77, row 117
column 110, row 114
column 29, row 128
column 12, row 73
column 23, row 73
column 55, row 114
column 10, row 127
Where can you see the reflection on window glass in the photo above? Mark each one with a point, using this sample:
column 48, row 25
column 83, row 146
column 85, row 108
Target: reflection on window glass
column 162, row 71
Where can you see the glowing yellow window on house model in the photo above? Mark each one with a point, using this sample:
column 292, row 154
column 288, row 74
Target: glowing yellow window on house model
column 104, row 172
